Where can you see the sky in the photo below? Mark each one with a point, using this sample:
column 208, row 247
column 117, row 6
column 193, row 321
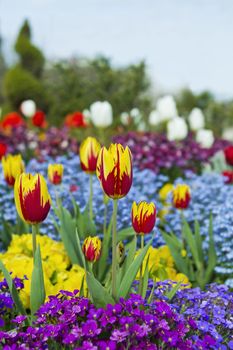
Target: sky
column 185, row 43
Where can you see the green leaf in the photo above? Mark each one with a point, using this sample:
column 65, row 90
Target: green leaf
column 102, row 265
column 130, row 251
column 86, row 226
column 6, row 233
column 37, row 295
column 198, row 241
column 189, row 237
column 80, row 254
column 67, row 230
column 132, row 271
column 175, row 248
column 212, row 257
column 173, row 291
column 145, row 278
column 13, row 290
column 124, row 234
column 99, row 294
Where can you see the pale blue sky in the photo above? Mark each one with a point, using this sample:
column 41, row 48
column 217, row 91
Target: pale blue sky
column 184, row 42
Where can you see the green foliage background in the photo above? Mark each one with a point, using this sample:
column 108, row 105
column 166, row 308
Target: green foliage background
column 74, row 84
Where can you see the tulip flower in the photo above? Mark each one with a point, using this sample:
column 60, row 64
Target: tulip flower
column 143, row 217
column 196, row 119
column 32, row 201
column 92, row 248
column 88, row 152
column 177, row 129
column 228, row 152
column 205, row 138
column 101, row 114
column 181, row 196
column 28, row 108
column 12, row 167
column 55, row 173
column 166, row 107
column 143, row 221
column 114, row 170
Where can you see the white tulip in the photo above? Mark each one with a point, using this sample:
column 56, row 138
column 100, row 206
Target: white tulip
column 28, row 108
column 124, row 118
column 166, row 107
column 228, row 134
column 101, row 114
column 141, row 126
column 177, row 129
column 154, row 118
column 135, row 113
column 196, row 119
column 205, row 138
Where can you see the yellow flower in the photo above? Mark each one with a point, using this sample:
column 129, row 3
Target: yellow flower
column 32, row 198
column 12, row 166
column 181, row 196
column 55, row 173
column 88, row 152
column 165, row 191
column 114, row 170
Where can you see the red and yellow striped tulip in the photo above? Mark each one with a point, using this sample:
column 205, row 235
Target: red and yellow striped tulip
column 181, row 196
column 55, row 173
column 143, row 217
column 88, row 152
column 32, row 198
column 114, row 170
column 92, row 248
column 12, row 166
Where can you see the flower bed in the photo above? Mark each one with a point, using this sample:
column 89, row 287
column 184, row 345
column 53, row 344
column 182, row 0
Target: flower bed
column 156, row 152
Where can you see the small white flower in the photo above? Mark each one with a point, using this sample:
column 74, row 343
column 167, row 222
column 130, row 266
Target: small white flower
column 205, row 138
column 28, row 108
column 177, row 129
column 64, row 144
column 101, row 114
column 125, row 118
column 32, row 145
column 196, row 119
column 166, row 107
column 154, row 118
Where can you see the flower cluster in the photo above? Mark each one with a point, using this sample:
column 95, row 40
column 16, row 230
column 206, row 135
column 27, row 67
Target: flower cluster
column 156, row 152
column 58, row 272
column 68, row 320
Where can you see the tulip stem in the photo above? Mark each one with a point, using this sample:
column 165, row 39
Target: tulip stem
column 91, row 197
column 114, row 248
column 35, row 231
column 141, row 268
column 105, row 217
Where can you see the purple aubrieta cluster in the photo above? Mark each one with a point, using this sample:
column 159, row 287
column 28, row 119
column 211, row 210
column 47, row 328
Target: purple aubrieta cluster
column 7, row 309
column 155, row 152
column 71, row 322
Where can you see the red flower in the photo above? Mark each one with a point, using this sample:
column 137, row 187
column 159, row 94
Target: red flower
column 3, row 149
column 75, row 120
column 39, row 119
column 181, row 196
column 143, row 217
column 12, row 120
column 229, row 155
column 228, row 174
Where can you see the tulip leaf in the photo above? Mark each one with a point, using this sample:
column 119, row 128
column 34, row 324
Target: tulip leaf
column 175, row 247
column 13, row 290
column 6, row 234
column 212, row 257
column 79, row 251
column 37, row 295
column 67, row 229
column 132, row 271
column 86, row 226
column 130, row 249
column 198, row 241
column 145, row 278
column 170, row 295
column 101, row 265
column 127, row 233
column 99, row 294
column 189, row 237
